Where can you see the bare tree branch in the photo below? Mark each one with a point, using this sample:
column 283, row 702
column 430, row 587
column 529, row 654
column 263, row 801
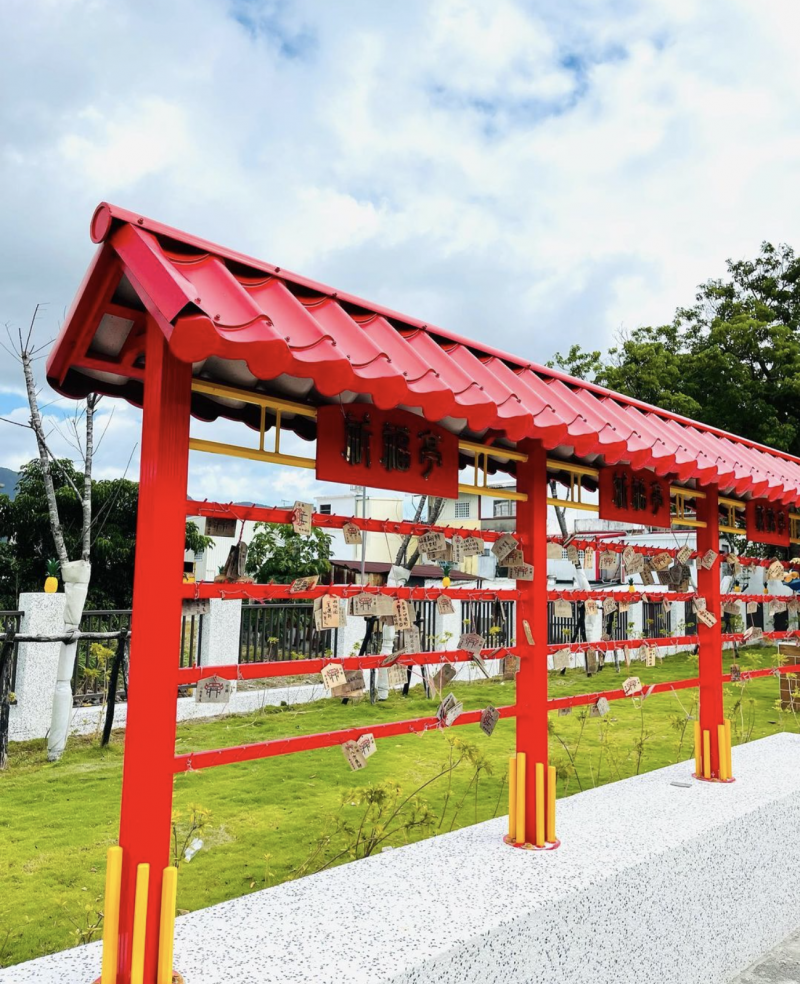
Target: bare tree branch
column 44, row 458
column 91, row 403
column 401, row 553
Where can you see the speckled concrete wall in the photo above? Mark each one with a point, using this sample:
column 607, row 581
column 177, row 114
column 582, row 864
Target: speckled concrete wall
column 655, row 883
column 37, row 663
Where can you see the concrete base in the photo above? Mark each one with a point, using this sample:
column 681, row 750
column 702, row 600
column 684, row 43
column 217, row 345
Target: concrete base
column 654, row 883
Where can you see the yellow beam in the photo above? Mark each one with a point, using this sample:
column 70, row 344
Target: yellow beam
column 686, row 493
column 731, row 503
column 495, row 493
column 683, row 521
column 254, row 454
column 250, row 396
column 492, row 451
column 553, row 464
column 568, row 504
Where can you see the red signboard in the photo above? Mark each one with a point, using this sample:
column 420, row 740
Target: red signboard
column 386, row 449
column 629, row 496
column 767, row 522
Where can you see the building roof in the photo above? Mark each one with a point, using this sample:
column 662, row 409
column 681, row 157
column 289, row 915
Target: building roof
column 246, row 323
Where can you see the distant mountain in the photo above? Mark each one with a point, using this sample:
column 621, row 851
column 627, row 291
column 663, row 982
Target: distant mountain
column 9, row 479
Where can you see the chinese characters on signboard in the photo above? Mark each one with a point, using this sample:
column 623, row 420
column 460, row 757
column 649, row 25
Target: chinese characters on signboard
column 767, row 522
column 386, row 449
column 634, row 496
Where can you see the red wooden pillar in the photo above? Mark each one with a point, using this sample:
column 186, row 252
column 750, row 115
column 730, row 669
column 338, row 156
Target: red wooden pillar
column 708, row 587
column 532, row 618
column 145, row 821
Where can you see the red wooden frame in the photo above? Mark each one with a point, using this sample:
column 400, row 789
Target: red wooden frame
column 270, row 323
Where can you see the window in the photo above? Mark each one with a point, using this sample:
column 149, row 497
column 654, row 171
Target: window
column 504, row 507
column 325, row 509
column 462, row 509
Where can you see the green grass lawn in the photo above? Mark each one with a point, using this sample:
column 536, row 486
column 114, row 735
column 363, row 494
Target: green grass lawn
column 266, row 818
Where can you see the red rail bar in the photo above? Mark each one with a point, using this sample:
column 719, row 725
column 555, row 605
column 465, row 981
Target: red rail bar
column 192, row 761
column 655, row 595
column 581, row 647
column 686, row 640
column 657, row 688
column 259, row 592
column 614, row 546
column 297, row 667
column 271, row 514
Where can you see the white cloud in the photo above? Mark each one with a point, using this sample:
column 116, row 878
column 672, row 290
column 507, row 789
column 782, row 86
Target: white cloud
column 117, row 153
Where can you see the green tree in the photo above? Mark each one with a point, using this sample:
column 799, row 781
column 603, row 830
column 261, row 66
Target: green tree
column 26, row 539
column 278, row 554
column 195, row 540
column 731, row 360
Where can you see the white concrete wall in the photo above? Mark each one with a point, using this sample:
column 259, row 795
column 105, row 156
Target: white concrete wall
column 703, row 889
column 36, row 665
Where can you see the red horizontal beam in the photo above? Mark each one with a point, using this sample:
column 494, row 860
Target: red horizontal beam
column 685, row 640
column 298, row 667
column 623, row 594
column 578, row 699
column 580, row 647
column 262, row 592
column 769, row 671
column 191, row 761
column 614, row 546
column 272, row 514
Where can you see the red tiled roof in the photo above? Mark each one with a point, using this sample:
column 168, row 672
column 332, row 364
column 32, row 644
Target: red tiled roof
column 248, row 323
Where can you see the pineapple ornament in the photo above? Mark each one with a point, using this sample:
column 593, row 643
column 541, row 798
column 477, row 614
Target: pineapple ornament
column 51, row 583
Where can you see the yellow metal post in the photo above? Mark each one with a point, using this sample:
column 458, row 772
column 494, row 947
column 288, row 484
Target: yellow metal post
column 551, row 804
column 706, row 755
column 512, row 798
column 728, row 747
column 111, row 915
column 539, row 804
column 519, row 836
column 698, row 750
column 723, row 752
column 139, row 923
column 166, row 937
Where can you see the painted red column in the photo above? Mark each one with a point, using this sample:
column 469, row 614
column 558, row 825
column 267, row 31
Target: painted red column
column 708, row 587
column 532, row 609
column 145, row 821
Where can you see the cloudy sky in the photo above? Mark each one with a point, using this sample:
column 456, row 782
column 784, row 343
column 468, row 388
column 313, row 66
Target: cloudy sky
column 530, row 174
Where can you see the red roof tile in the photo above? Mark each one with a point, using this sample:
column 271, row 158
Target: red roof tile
column 214, row 304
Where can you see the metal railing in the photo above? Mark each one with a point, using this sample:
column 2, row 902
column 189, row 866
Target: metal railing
column 281, row 632
column 656, row 622
column 93, row 659
column 564, row 629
